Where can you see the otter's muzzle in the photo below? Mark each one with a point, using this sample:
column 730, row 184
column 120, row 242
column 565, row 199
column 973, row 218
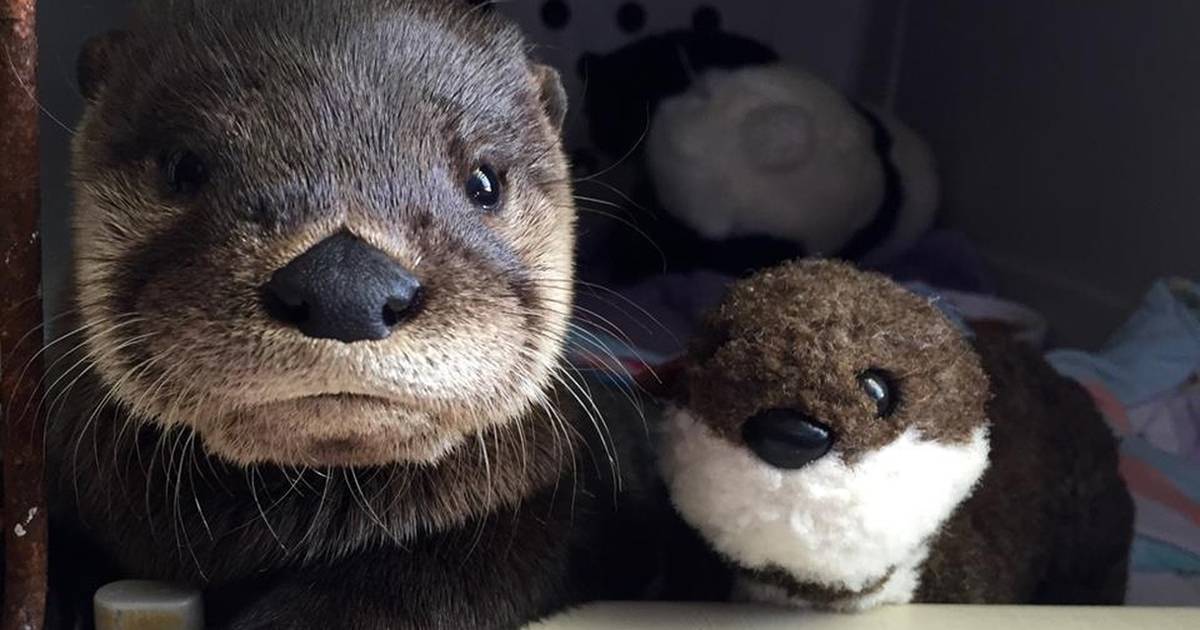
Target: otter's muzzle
column 343, row 289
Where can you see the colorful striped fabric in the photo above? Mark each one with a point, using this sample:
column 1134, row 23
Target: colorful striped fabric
column 1153, row 357
column 1166, row 489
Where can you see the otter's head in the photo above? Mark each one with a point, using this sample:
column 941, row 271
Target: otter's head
column 829, row 423
column 322, row 232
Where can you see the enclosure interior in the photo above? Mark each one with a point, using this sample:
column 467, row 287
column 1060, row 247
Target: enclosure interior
column 1063, row 131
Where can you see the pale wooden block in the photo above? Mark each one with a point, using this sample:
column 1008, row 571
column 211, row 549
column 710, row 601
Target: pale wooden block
column 652, row 616
column 140, row 605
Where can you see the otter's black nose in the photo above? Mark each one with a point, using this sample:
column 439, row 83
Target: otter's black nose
column 786, row 438
column 343, row 289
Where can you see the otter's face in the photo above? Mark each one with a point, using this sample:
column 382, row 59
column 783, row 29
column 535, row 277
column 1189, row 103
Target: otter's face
column 832, row 421
column 323, row 236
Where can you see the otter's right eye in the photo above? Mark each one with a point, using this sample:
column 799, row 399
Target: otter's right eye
column 184, row 172
column 483, row 188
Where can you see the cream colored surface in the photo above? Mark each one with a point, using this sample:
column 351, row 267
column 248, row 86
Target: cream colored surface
column 630, row 616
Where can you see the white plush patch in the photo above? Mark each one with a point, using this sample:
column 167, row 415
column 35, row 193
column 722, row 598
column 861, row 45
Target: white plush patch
column 899, row 589
column 828, row 523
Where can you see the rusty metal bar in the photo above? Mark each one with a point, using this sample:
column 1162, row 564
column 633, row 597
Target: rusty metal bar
column 20, row 313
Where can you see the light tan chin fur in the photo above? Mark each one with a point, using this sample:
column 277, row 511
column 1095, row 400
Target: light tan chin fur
column 329, row 432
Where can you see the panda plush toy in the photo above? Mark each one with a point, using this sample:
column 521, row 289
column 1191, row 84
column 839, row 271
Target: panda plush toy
column 773, row 152
column 740, row 162
column 623, row 91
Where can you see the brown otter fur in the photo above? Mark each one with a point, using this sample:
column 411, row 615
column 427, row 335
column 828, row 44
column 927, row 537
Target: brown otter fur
column 452, row 475
column 309, row 120
column 1049, row 520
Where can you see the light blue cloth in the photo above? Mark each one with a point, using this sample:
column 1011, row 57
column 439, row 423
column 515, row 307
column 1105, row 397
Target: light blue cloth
column 1155, row 352
column 1154, row 556
column 1182, row 473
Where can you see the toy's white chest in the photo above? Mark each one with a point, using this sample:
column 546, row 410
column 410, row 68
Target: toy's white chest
column 837, row 525
column 900, row 587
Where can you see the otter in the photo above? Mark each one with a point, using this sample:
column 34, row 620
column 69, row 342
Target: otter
column 323, row 278
column 844, row 443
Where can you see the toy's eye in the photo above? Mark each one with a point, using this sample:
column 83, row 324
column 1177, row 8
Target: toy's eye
column 484, row 188
column 184, row 172
column 880, row 387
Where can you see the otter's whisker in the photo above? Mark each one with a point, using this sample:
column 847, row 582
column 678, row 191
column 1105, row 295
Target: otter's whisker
column 152, row 392
column 46, row 345
column 50, row 369
column 149, row 487
column 560, row 424
column 250, row 474
column 88, row 425
column 627, row 387
column 628, row 154
column 191, row 447
column 614, row 461
column 579, row 393
column 524, row 452
column 181, row 526
column 356, row 492
column 633, row 227
column 481, row 520
column 315, row 520
column 622, row 299
column 131, row 418
column 607, row 355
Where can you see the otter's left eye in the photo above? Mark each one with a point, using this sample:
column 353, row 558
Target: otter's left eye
column 185, row 172
column 880, row 387
column 484, row 188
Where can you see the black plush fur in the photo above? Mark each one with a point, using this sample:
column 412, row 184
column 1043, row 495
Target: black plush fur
column 1051, row 521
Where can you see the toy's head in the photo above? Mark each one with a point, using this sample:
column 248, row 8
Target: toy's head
column 828, row 422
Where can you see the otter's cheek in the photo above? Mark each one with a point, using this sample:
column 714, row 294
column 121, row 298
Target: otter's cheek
column 828, row 522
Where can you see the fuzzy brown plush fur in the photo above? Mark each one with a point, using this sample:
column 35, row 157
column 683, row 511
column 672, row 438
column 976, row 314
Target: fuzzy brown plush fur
column 805, row 333
column 1050, row 521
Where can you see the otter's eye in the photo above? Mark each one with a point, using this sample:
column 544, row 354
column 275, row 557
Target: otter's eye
column 184, row 171
column 880, row 387
column 483, row 188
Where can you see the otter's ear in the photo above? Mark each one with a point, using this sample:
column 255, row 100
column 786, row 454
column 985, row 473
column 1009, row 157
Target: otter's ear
column 95, row 62
column 554, row 96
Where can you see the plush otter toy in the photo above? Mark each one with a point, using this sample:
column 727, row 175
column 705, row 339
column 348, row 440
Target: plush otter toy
column 834, row 439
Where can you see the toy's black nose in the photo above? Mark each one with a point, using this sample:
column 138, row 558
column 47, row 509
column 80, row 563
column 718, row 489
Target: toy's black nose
column 343, row 289
column 786, row 438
